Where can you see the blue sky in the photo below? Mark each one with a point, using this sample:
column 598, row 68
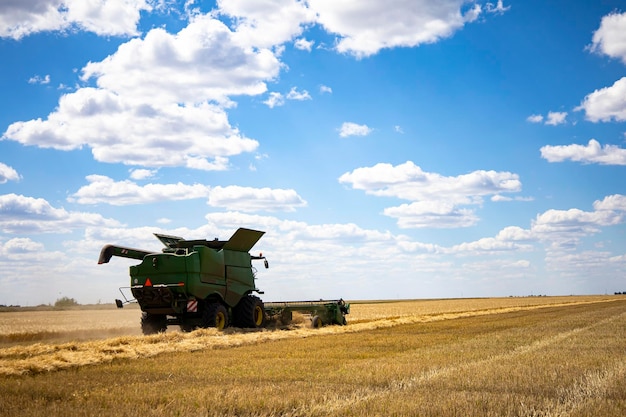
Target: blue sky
column 399, row 149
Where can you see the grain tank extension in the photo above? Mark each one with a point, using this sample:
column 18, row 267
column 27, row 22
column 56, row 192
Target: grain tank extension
column 195, row 283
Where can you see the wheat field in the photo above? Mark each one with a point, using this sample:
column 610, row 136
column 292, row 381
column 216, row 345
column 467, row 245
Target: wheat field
column 536, row 356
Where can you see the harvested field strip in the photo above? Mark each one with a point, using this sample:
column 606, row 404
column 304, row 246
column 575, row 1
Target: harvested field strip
column 37, row 358
column 593, row 383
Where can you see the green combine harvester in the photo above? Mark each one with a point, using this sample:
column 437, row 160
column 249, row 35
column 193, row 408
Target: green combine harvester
column 209, row 283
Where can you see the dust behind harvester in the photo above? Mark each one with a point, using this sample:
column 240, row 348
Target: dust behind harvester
column 208, row 283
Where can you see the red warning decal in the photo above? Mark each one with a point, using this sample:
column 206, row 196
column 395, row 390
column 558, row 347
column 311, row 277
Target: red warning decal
column 192, row 306
column 148, row 283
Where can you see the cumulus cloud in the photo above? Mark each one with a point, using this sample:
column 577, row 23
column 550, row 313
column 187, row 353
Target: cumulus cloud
column 142, row 174
column 39, row 80
column 21, row 214
column 106, row 17
column 556, row 118
column 304, row 44
column 610, row 38
column 616, row 202
column 255, row 199
column 439, row 214
column 204, row 61
column 435, row 197
column 560, row 230
column 102, row 189
column 593, row 152
column 353, row 129
column 498, row 8
column 294, row 94
column 20, row 245
column 276, row 99
column 119, row 130
column 408, row 181
column 553, row 118
column 365, row 27
column 265, row 24
column 606, row 104
column 160, row 101
column 8, row 174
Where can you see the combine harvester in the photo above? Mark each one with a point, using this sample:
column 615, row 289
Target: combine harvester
column 209, row 283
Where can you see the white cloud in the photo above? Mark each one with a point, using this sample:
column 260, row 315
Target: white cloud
column 560, row 230
column 255, row 199
column 21, row 214
column 160, row 100
column 8, row 174
column 106, row 17
column 431, row 214
column 435, row 197
column 610, row 38
column 606, row 104
column 409, row 182
column 499, row 197
column 489, row 245
column 204, row 61
column 556, row 118
column 39, row 80
column 616, row 202
column 142, row 174
column 367, row 26
column 593, row 152
column 119, row 130
column 567, row 226
column 20, row 245
column 325, row 89
column 265, row 24
column 294, row 94
column 353, row 129
column 553, row 118
column 274, row 100
column 303, row 44
column 499, row 8
column 103, row 189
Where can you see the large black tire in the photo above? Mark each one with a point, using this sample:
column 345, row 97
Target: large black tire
column 316, row 322
column 249, row 313
column 215, row 315
column 153, row 323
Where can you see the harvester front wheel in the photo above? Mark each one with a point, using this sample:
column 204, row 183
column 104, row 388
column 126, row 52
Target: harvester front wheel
column 250, row 312
column 215, row 315
column 153, row 323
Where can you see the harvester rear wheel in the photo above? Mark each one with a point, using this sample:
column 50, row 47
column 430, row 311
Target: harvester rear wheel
column 250, row 312
column 317, row 322
column 215, row 315
column 153, row 323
